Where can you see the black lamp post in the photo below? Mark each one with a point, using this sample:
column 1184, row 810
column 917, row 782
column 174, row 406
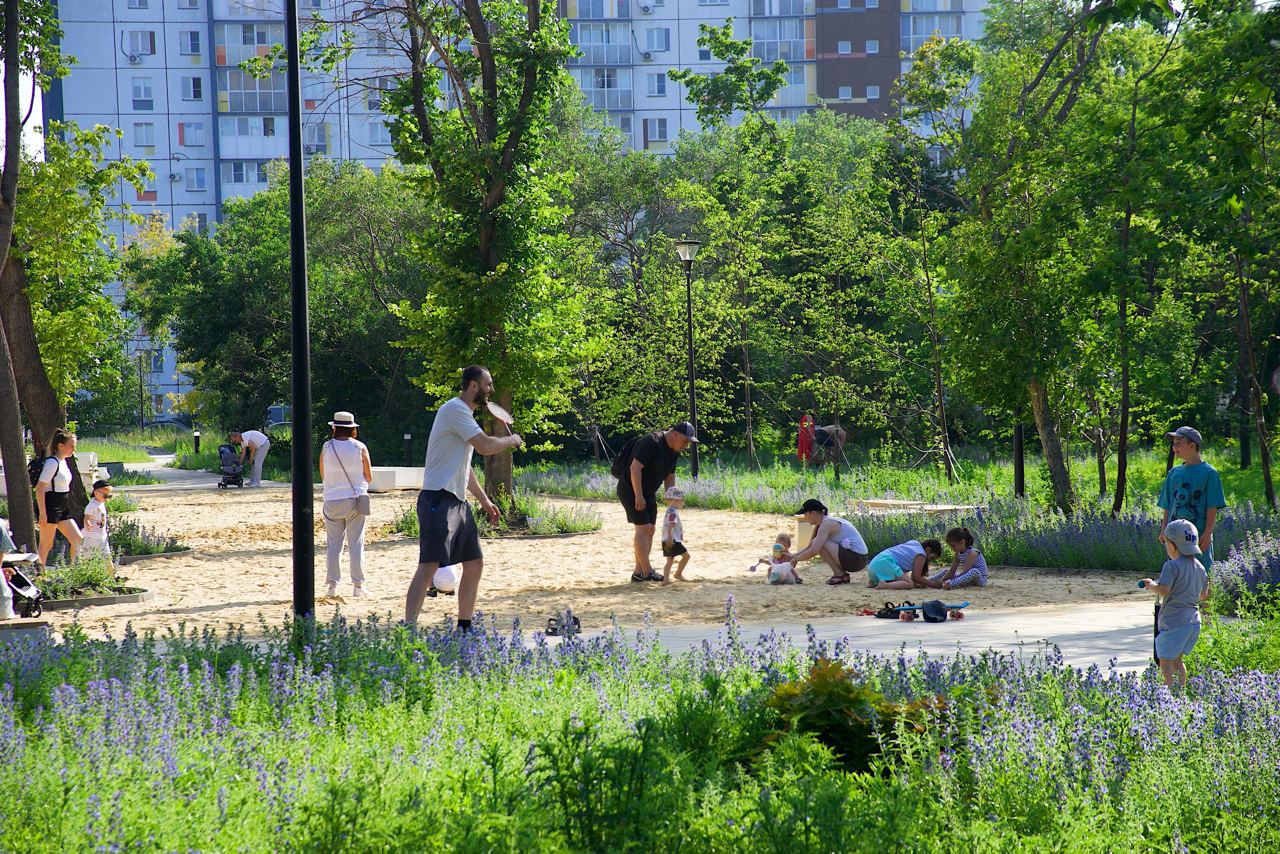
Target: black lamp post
column 688, row 250
column 304, row 583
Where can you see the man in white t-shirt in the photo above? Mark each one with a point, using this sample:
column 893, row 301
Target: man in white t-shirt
column 447, row 529
column 255, row 444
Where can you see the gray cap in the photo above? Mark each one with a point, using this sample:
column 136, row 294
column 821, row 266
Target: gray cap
column 1184, row 536
column 1191, row 434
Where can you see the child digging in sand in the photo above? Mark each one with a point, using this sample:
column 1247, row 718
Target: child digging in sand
column 673, row 536
column 968, row 568
column 779, row 562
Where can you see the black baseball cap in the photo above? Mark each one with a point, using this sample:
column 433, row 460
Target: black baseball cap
column 685, row 429
column 810, row 506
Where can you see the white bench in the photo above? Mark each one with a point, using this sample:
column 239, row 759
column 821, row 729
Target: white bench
column 392, row 478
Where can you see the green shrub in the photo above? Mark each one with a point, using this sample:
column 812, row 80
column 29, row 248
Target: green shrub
column 121, row 503
column 135, row 478
column 1249, row 642
column 127, row 537
column 534, row 514
column 92, row 575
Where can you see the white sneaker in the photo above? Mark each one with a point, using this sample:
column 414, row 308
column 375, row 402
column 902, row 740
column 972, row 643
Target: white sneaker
column 331, row 591
column 359, row 592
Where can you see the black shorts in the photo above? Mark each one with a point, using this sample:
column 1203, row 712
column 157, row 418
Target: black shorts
column 447, row 530
column 674, row 549
column 647, row 516
column 57, row 506
column 852, row 562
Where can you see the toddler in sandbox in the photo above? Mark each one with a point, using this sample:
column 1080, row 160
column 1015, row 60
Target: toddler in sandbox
column 779, row 563
column 95, row 522
column 673, row 536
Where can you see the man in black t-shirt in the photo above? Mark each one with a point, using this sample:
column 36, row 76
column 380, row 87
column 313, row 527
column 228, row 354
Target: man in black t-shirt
column 653, row 464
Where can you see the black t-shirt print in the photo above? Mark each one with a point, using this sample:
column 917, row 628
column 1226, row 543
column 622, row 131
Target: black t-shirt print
column 658, row 460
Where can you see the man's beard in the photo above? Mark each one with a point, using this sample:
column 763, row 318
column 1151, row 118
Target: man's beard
column 482, row 398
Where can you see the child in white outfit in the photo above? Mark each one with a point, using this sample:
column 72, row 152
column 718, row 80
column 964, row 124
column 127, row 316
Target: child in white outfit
column 673, row 536
column 95, row 522
column 781, row 567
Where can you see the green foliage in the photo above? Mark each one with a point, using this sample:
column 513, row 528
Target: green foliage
column 128, row 537
column 1250, row 641
column 111, row 449
column 88, row 576
column 536, row 516
column 121, row 503
column 744, row 83
column 844, row 713
column 225, row 301
column 129, row 477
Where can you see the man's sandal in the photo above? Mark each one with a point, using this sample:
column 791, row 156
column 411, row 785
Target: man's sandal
column 838, row 579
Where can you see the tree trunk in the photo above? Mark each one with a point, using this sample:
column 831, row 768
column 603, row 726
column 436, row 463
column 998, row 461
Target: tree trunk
column 1050, row 440
column 1100, row 451
column 499, row 478
column 1246, row 457
column 1251, row 374
column 746, row 394
column 44, row 412
column 21, row 512
column 1122, row 436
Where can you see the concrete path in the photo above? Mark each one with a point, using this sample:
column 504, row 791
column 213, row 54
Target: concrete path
column 181, row 480
column 1085, row 634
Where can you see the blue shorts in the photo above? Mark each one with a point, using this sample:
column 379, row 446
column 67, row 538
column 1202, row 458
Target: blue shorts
column 1175, row 643
column 883, row 567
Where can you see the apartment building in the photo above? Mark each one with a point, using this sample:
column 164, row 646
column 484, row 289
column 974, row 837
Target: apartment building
column 167, row 74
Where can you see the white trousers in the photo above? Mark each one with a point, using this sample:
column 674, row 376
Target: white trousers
column 341, row 521
column 259, row 456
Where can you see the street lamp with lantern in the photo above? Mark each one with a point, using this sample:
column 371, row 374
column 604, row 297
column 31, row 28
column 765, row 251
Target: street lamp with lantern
column 688, row 250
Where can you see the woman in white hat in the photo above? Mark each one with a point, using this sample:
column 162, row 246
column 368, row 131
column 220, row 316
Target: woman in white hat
column 345, row 470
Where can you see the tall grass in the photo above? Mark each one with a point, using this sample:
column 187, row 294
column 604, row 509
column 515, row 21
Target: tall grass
column 111, row 450
column 540, row 518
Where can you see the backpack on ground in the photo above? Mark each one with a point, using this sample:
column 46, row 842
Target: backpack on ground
column 622, row 462
column 34, row 468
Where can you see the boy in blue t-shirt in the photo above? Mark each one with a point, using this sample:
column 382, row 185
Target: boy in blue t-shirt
column 1192, row 491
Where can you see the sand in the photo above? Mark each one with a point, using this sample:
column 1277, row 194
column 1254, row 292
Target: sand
column 241, row 572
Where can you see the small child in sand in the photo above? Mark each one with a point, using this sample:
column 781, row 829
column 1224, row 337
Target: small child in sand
column 968, row 567
column 673, row 536
column 95, row 522
column 778, row 562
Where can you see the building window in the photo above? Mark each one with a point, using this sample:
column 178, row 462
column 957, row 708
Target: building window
column 704, row 54
column 188, row 4
column 315, row 138
column 246, row 8
column 873, row 46
column 148, row 191
column 780, row 38
column 918, row 29
column 713, row 2
column 191, row 133
column 873, row 4
column 376, row 92
column 157, row 404
column 195, row 179
column 657, row 84
column 202, row 223
column 655, row 130
column 142, row 42
column 244, row 172
column 246, row 126
column 657, row 38
column 144, row 133
column 189, row 42
column 601, row 44
column 268, row 125
column 382, row 46
column 606, row 88
column 157, row 361
column 844, row 47
column 379, row 133
column 192, row 89
column 623, row 123
column 873, row 93
column 142, row 98
column 137, row 4
column 795, row 75
column 777, row 7
column 843, row 4
column 844, row 93
column 248, row 94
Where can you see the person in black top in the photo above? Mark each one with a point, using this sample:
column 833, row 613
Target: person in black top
column 653, row 464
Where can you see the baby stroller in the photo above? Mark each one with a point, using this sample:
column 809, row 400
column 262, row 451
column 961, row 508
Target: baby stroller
column 26, row 596
column 229, row 464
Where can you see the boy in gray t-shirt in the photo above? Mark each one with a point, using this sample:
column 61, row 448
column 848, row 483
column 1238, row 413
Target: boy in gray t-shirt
column 1184, row 585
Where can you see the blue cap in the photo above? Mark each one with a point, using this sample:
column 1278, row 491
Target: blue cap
column 1191, row 434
